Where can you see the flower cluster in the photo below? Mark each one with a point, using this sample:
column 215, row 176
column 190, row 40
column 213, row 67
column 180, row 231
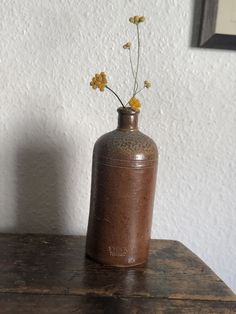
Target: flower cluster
column 136, row 19
column 99, row 81
column 135, row 104
column 147, row 84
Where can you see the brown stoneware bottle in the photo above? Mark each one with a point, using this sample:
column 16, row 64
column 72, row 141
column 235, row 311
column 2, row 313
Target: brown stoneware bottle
column 122, row 194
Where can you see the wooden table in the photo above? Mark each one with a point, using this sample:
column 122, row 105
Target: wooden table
column 49, row 274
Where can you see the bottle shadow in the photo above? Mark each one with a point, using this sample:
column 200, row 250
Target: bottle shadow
column 47, row 171
column 40, row 172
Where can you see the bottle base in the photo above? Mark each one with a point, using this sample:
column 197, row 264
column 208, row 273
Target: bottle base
column 97, row 260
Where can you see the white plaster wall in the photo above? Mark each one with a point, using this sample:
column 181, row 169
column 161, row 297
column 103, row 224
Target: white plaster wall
column 50, row 118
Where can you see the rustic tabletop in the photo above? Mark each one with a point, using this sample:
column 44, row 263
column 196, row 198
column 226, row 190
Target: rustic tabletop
column 50, row 274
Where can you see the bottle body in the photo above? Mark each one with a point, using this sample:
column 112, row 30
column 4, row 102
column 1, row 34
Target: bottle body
column 122, row 196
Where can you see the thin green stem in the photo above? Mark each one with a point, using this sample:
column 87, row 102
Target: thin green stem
column 137, row 67
column 132, row 67
column 116, row 96
column 139, row 91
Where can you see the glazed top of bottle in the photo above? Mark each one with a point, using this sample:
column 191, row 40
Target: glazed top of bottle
column 127, row 119
column 126, row 142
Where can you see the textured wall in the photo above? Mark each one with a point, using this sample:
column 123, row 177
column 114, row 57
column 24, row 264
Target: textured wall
column 50, row 118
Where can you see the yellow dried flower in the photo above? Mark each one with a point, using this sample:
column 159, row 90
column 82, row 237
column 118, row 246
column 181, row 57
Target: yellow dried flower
column 127, row 45
column 136, row 19
column 99, row 81
column 147, row 84
column 135, row 104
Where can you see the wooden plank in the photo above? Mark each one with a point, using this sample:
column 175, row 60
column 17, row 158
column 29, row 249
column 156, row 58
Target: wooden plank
column 56, row 265
column 45, row 304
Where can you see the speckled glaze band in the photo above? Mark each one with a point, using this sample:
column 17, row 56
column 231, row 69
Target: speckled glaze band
column 122, row 194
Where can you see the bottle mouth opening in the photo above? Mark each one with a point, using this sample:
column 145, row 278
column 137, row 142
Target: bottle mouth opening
column 127, row 110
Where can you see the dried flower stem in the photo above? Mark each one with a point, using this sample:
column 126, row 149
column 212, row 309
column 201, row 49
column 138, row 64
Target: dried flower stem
column 116, row 96
column 139, row 91
column 132, row 67
column 137, row 67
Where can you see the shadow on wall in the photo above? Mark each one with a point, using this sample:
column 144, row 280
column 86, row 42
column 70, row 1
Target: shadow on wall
column 40, row 173
column 196, row 22
column 44, row 172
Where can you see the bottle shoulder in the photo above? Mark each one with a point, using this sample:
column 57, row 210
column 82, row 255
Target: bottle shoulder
column 133, row 145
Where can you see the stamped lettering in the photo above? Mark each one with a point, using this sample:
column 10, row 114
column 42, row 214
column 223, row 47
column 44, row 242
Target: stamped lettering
column 117, row 251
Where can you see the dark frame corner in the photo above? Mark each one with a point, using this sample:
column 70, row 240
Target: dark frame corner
column 208, row 37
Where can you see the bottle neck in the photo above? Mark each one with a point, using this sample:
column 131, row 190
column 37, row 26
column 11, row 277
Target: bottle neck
column 127, row 119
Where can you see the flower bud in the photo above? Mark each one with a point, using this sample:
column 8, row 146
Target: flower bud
column 141, row 19
column 127, row 45
column 147, row 84
column 131, row 19
column 136, row 19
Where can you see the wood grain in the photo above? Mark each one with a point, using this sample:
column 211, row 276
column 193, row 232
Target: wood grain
column 44, row 270
column 45, row 304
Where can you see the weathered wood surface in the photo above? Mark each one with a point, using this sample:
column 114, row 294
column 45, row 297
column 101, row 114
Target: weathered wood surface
column 51, row 273
column 45, row 304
